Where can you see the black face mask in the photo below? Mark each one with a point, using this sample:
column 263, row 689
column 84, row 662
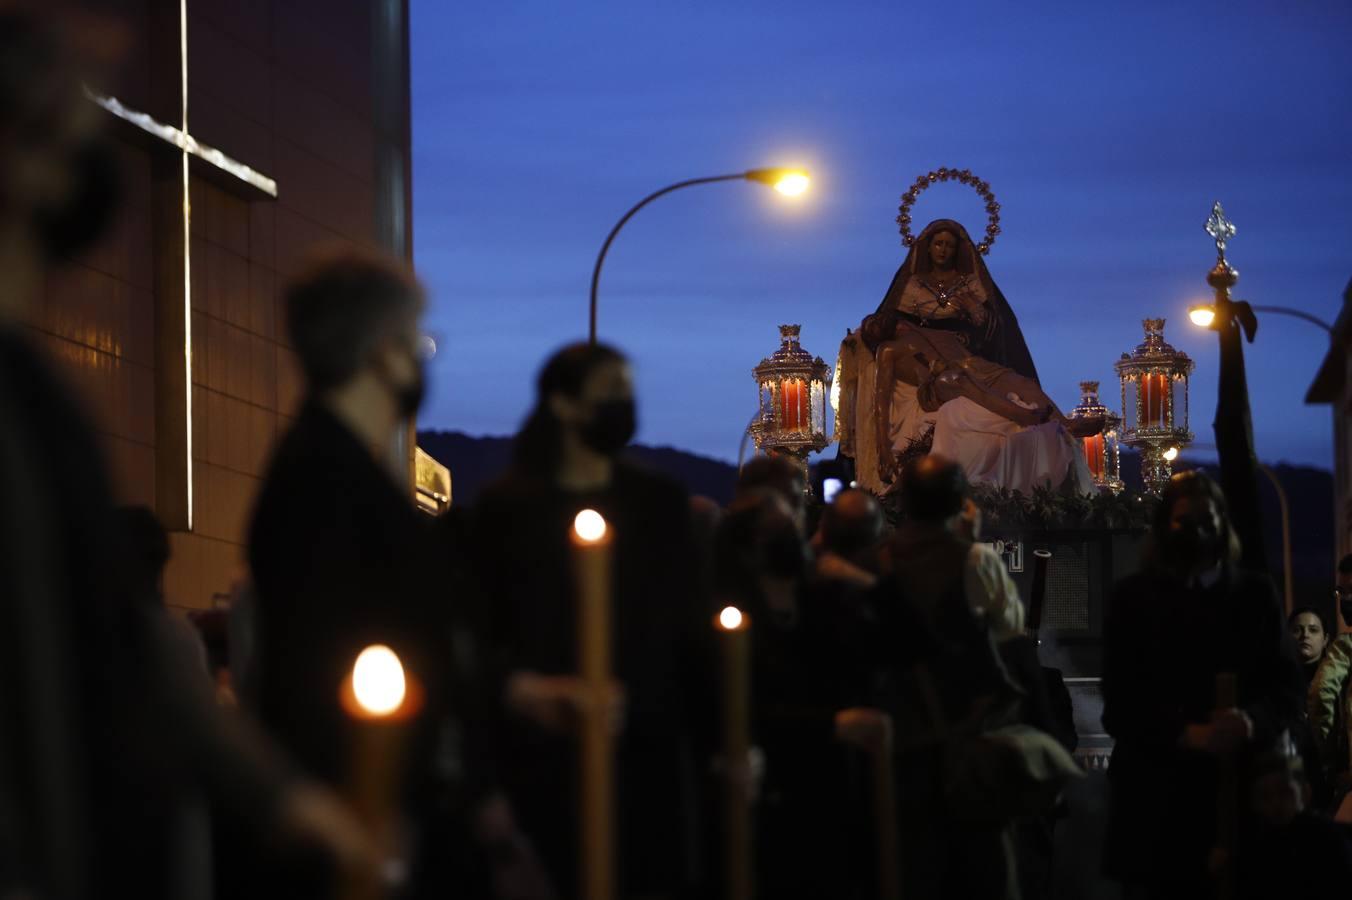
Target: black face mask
column 410, row 397
column 612, row 426
column 71, row 228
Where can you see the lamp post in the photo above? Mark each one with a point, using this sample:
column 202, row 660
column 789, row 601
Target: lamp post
column 1204, row 314
column 789, row 182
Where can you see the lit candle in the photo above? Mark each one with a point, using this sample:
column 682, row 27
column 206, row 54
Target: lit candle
column 591, row 542
column 1153, row 391
column 791, row 404
column 734, row 628
column 381, row 699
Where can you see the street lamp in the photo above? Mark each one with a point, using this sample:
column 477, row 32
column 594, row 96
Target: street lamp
column 789, row 182
column 1204, row 314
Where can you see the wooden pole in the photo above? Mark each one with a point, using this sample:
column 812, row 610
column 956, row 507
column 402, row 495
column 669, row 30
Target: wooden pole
column 591, row 541
column 1227, row 798
column 885, row 818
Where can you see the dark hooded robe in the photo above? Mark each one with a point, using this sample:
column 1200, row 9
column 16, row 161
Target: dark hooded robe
column 999, row 338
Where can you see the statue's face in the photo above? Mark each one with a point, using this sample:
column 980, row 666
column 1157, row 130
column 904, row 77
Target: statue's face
column 943, row 249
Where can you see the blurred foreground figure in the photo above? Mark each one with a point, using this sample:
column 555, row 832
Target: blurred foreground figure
column 967, row 763
column 342, row 560
column 811, row 680
column 98, row 731
column 1188, row 617
column 1292, row 851
column 566, row 459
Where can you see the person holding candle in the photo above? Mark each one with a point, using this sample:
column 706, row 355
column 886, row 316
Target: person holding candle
column 1189, row 715
column 810, row 686
column 341, row 560
column 567, row 458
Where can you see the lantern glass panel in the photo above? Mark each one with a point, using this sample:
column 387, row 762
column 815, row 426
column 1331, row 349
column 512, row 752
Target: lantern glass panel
column 767, row 401
column 818, row 407
column 1130, row 406
column 1180, row 402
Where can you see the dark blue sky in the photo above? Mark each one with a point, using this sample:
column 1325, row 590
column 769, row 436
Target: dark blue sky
column 1105, row 130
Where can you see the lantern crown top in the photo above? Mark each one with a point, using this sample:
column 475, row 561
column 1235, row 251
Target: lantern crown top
column 792, row 359
column 1090, row 407
column 1154, row 354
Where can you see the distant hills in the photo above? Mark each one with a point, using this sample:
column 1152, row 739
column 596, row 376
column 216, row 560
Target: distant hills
column 475, row 461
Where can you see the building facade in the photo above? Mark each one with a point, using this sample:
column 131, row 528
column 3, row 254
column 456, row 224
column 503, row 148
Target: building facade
column 252, row 133
column 1333, row 385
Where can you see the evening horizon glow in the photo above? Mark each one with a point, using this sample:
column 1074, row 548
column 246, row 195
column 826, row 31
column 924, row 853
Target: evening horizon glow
column 1106, row 134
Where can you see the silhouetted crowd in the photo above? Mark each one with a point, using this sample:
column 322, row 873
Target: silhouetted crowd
column 907, row 739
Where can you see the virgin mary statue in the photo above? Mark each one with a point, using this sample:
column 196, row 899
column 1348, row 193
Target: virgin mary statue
column 942, row 361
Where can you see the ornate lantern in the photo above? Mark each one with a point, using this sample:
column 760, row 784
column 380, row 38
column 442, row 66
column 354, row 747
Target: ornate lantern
column 1097, row 427
column 794, row 389
column 1155, row 403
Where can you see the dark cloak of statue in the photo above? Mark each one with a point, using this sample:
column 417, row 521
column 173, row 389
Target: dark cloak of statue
column 999, row 339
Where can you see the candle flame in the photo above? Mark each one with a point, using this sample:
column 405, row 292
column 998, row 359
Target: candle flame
column 590, row 526
column 730, row 618
column 378, row 680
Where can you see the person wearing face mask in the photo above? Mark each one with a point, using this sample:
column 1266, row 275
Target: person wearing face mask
column 1330, row 703
column 339, row 556
column 811, row 689
column 568, row 457
column 1160, row 690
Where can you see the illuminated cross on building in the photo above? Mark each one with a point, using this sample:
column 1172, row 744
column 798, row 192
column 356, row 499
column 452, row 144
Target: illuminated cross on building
column 173, row 269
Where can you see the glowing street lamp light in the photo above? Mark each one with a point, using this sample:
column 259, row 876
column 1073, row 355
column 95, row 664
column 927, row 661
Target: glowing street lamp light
column 788, row 182
column 1204, row 314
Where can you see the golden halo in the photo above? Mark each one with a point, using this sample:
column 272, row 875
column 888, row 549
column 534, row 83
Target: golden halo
column 945, row 174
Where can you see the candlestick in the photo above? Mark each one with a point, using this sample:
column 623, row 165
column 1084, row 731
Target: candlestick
column 591, row 542
column 381, row 699
column 735, row 630
column 885, row 818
